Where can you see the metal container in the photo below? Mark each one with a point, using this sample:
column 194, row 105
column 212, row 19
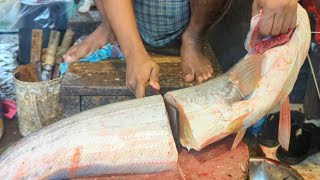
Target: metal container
column 268, row 169
column 38, row 102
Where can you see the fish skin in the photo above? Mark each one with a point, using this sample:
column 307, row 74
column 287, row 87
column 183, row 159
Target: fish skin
column 205, row 117
column 114, row 139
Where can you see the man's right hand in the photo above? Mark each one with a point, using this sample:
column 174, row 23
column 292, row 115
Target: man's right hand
column 141, row 69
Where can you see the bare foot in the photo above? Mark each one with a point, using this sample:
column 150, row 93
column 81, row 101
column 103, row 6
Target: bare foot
column 194, row 65
column 96, row 40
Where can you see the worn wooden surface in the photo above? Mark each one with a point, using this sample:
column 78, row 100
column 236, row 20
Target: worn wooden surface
column 104, row 82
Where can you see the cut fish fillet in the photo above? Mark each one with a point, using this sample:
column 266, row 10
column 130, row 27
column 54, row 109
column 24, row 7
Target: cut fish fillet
column 200, row 120
column 121, row 138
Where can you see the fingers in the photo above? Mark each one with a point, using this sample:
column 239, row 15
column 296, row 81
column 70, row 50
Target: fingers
column 137, row 87
column 266, row 22
column 154, row 78
column 140, row 75
column 277, row 24
column 278, row 16
column 286, row 24
column 140, row 90
column 293, row 22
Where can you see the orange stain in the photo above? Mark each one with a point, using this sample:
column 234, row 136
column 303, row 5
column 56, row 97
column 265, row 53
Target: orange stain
column 21, row 170
column 75, row 160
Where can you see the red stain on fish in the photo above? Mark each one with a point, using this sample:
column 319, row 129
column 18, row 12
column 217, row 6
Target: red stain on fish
column 75, row 160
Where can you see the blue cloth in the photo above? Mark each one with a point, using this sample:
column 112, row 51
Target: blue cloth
column 161, row 21
column 256, row 128
column 109, row 51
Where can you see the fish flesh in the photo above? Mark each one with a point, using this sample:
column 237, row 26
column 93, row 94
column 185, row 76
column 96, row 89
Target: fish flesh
column 121, row 138
column 239, row 98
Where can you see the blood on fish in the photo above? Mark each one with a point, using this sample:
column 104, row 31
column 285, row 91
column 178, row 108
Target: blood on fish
column 75, row 160
column 263, row 45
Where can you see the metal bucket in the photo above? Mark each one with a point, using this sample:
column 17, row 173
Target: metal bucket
column 268, row 169
column 38, row 102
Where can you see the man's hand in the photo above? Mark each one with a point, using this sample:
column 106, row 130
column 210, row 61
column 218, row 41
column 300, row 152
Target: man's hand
column 277, row 15
column 141, row 69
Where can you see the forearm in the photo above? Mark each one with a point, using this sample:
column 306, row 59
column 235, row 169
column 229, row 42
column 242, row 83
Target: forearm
column 120, row 14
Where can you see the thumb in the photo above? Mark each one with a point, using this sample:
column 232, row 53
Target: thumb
column 154, row 78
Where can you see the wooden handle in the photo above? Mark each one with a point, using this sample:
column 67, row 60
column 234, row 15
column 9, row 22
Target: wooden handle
column 36, row 46
column 66, row 42
column 52, row 48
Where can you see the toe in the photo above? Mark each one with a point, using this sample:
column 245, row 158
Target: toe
column 68, row 55
column 188, row 73
column 209, row 72
column 188, row 78
column 199, row 77
column 205, row 76
column 209, row 68
column 78, row 52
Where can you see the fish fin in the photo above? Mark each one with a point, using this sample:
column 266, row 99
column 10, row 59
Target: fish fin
column 284, row 124
column 238, row 122
column 238, row 138
column 247, row 73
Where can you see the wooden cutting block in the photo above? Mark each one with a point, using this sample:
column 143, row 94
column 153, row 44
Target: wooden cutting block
column 88, row 85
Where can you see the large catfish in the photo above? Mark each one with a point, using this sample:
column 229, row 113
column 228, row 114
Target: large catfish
column 240, row 97
column 121, row 138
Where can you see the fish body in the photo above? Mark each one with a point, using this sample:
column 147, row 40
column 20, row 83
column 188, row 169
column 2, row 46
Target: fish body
column 121, row 138
column 261, row 80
